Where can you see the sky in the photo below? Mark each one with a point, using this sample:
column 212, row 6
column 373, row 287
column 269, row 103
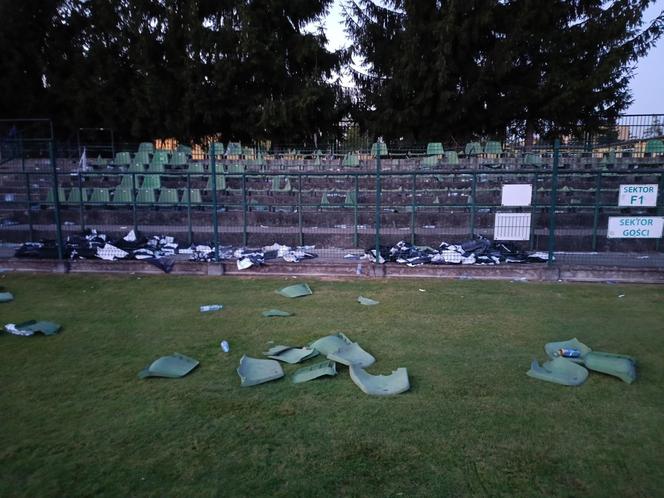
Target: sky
column 647, row 85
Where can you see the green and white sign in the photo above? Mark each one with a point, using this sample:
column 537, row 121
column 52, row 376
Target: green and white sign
column 635, row 227
column 638, row 195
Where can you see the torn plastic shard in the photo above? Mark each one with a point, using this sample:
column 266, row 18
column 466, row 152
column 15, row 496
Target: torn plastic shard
column 5, row 297
column 31, row 327
column 297, row 290
column 289, row 354
column 559, row 371
column 314, row 371
column 253, row 371
column 341, row 349
column 271, row 313
column 366, row 301
column 380, row 385
column 172, row 367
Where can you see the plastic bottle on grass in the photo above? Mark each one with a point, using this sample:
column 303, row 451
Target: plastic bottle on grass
column 211, row 307
column 224, row 346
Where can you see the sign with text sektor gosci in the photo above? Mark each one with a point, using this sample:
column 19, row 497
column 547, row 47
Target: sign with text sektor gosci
column 635, row 227
column 638, row 195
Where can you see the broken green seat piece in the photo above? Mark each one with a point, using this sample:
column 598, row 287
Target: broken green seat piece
column 31, row 327
column 270, row 313
column 341, row 349
column 290, row 354
column 559, row 371
column 618, row 365
column 297, row 290
column 380, row 385
column 314, row 371
column 5, row 297
column 172, row 367
column 253, row 371
column 621, row 366
column 366, row 301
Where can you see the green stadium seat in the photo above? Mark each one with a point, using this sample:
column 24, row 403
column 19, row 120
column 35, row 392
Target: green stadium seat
column 151, row 182
column 221, row 182
column 178, row 159
column 99, row 161
column 654, row 147
column 532, row 159
column 195, row 196
column 218, row 149
column 146, row 147
column 276, row 184
column 351, row 160
column 383, row 149
column 62, row 195
column 122, row 159
column 136, row 167
column 75, row 196
column 168, row 196
column 100, row 195
column 142, row 157
column 435, row 149
column 159, row 160
column 236, row 168
column 146, row 196
column 325, row 202
column 234, row 149
column 195, row 167
column 126, row 182
column 351, row 199
column 185, row 149
column 451, row 157
column 429, row 162
column 493, row 147
column 123, row 196
column 473, row 149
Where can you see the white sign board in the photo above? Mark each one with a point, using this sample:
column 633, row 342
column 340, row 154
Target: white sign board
column 512, row 226
column 517, row 195
column 635, row 227
column 638, row 195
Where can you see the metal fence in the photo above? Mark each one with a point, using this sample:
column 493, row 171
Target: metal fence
column 571, row 208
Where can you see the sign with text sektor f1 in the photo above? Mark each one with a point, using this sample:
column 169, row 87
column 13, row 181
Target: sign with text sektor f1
column 638, row 195
column 635, row 227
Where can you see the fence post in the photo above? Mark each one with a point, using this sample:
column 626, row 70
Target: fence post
column 81, row 208
column 56, row 198
column 244, row 208
column 191, row 235
column 215, row 222
column 598, row 194
column 134, row 194
column 660, row 209
column 378, row 198
column 413, row 209
column 299, row 207
column 27, row 187
column 533, row 212
column 473, row 192
column 356, row 237
column 554, row 200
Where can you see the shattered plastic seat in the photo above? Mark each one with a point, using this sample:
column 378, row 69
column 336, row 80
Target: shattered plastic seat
column 289, row 354
column 341, row 349
column 314, row 371
column 297, row 290
column 31, row 327
column 253, row 371
column 271, row 313
column 559, row 371
column 380, row 385
column 173, row 366
column 5, row 297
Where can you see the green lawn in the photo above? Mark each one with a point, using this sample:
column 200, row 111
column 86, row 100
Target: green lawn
column 75, row 420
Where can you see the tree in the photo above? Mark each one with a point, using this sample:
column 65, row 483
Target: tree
column 439, row 69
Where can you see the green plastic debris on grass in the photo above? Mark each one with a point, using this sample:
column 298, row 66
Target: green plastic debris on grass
column 366, row 301
column 31, row 327
column 297, row 290
column 5, row 297
column 341, row 349
column 559, row 371
column 253, row 371
column 172, row 367
column 380, row 385
column 290, row 354
column 270, row 313
column 314, row 371
column 617, row 365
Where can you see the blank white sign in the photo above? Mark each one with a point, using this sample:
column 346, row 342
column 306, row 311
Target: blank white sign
column 517, row 195
column 512, row 226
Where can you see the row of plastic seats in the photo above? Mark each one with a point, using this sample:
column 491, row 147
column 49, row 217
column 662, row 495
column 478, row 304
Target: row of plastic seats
column 121, row 195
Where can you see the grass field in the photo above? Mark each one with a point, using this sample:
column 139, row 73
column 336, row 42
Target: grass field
column 76, row 421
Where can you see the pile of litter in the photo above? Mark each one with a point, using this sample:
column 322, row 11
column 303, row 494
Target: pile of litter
column 566, row 360
column 479, row 250
column 159, row 250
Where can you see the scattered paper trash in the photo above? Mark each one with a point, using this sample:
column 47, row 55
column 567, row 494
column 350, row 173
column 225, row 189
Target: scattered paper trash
column 422, row 290
column 621, row 295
